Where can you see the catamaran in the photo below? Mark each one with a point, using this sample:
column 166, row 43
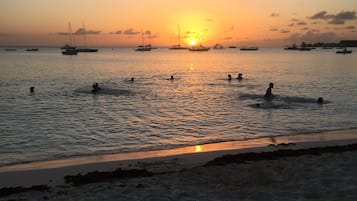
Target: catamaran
column 85, row 49
column 142, row 47
column 70, row 49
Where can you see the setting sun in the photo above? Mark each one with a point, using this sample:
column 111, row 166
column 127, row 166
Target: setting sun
column 193, row 42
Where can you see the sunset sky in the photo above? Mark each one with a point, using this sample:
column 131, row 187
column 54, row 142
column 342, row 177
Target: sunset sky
column 229, row 22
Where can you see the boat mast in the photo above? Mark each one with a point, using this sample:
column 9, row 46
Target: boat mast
column 84, row 35
column 149, row 33
column 70, row 34
column 142, row 38
column 179, row 36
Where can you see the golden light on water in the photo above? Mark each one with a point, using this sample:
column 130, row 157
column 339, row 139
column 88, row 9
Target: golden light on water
column 198, row 148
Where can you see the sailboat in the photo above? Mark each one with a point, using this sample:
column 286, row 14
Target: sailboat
column 199, row 48
column 69, row 49
column 85, row 49
column 178, row 47
column 142, row 47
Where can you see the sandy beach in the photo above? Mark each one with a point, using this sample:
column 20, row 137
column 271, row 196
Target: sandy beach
column 303, row 167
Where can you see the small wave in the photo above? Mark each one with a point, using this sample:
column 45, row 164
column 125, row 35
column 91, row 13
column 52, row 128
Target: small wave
column 105, row 91
column 279, row 102
column 287, row 99
column 251, row 96
column 270, row 105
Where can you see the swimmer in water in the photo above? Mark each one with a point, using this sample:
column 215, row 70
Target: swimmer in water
column 320, row 100
column 96, row 87
column 240, row 76
column 32, row 89
column 132, row 79
column 268, row 93
column 172, row 77
column 229, row 77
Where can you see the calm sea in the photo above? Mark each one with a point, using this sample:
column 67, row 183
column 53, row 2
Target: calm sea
column 62, row 118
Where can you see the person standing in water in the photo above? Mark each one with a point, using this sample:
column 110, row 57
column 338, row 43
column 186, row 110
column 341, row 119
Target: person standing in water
column 268, row 93
column 229, row 77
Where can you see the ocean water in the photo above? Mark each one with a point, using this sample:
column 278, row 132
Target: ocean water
column 63, row 118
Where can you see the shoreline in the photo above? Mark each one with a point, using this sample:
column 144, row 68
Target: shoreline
column 52, row 173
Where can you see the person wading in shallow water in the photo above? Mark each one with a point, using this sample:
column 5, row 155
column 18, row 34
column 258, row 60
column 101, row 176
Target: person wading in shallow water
column 268, row 93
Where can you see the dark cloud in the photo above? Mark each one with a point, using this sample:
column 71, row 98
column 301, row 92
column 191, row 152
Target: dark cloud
column 284, row 31
column 291, row 25
column 130, row 31
column 316, row 22
column 337, row 21
column 312, row 37
column 273, row 29
column 321, row 15
column 305, row 28
column 339, row 18
column 82, row 31
column 274, row 15
column 301, row 23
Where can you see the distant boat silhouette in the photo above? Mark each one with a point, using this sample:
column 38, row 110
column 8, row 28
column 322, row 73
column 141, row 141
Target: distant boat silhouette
column 142, row 47
column 232, row 46
column 85, row 49
column 292, row 47
column 249, row 48
column 32, row 49
column 199, row 48
column 178, row 47
column 69, row 49
column 295, row 47
column 344, row 51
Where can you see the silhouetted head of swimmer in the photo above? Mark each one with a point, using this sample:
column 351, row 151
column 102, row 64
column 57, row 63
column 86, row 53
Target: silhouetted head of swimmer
column 320, row 100
column 32, row 89
column 271, row 85
column 172, row 77
column 229, row 77
column 132, row 79
column 240, row 76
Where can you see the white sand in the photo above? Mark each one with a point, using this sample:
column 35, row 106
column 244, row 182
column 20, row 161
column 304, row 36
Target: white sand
column 326, row 177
